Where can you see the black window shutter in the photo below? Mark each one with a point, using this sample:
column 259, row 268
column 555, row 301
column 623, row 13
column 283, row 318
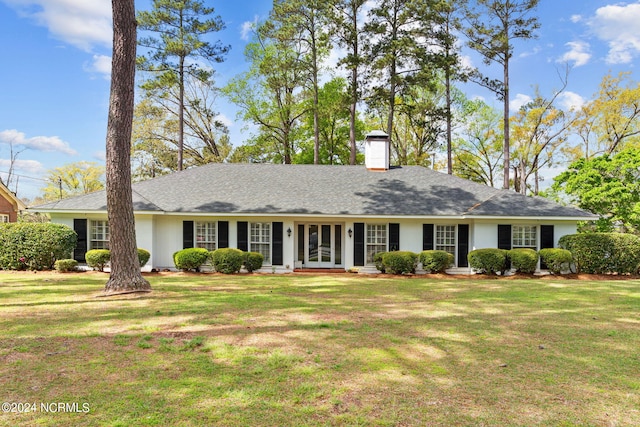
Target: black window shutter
column 187, row 234
column 546, row 240
column 243, row 235
column 504, row 237
column 80, row 227
column 427, row 237
column 358, row 244
column 394, row 237
column 463, row 245
column 223, row 234
column 277, row 242
column 546, row 236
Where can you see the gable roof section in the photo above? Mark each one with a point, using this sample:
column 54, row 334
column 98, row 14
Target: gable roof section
column 11, row 197
column 322, row 190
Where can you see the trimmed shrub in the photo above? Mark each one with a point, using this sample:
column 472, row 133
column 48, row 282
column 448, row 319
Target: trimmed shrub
column 489, row 260
column 98, row 258
column 190, row 258
column 377, row 260
column 436, row 261
column 143, row 256
column 400, row 262
column 253, row 261
column 34, row 246
column 601, row 253
column 557, row 260
column 227, row 260
column 66, row 265
column 523, row 260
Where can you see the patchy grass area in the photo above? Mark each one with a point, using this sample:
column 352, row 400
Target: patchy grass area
column 271, row 350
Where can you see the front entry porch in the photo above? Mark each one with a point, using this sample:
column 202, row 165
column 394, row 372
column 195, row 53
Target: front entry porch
column 320, row 245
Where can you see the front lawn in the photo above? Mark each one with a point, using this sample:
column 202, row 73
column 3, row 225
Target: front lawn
column 299, row 350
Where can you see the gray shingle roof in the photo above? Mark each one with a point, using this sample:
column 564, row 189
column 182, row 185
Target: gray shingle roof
column 324, row 190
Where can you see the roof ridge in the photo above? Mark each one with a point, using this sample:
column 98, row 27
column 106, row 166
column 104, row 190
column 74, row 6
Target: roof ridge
column 133, row 190
column 477, row 205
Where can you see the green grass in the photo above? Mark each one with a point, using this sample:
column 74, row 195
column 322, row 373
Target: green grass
column 342, row 350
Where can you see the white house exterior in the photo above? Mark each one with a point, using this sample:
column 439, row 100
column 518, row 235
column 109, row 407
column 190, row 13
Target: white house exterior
column 312, row 216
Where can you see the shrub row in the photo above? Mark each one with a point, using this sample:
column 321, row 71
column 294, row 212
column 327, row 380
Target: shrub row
column 34, row 246
column 404, row 262
column 99, row 258
column 602, row 253
column 224, row 260
column 493, row 261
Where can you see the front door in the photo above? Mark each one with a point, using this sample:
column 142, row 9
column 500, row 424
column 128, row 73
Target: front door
column 323, row 245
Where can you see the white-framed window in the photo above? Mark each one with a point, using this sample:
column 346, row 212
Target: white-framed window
column 376, row 240
column 99, row 235
column 206, row 235
column 524, row 236
column 446, row 238
column 4, row 218
column 260, row 239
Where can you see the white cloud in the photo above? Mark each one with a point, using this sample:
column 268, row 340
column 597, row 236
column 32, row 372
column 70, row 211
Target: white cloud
column 100, row 155
column 617, row 24
column 37, row 143
column 100, row 64
column 247, row 28
column 575, row 18
column 32, row 167
column 519, row 100
column 570, row 100
column 578, row 53
column 81, row 23
column 222, row 118
column 534, row 51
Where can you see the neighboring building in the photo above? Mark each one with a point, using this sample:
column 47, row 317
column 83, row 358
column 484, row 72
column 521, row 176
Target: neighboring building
column 310, row 216
column 10, row 205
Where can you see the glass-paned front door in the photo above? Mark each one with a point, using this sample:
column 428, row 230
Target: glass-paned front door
column 323, row 245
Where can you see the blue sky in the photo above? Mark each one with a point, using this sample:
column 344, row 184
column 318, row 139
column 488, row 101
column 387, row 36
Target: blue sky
column 54, row 82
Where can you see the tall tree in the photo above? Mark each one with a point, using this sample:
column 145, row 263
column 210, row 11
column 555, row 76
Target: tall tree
column 346, row 17
column 304, row 22
column 333, row 126
column 269, row 96
column 73, row 179
column 449, row 13
column 611, row 121
column 494, row 25
column 607, row 185
column 539, row 131
column 477, row 152
column 181, row 34
column 155, row 129
column 125, row 268
column 403, row 34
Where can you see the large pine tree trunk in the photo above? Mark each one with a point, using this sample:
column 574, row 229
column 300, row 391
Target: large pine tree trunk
column 125, row 267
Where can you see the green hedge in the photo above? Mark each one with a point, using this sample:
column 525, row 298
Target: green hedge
column 523, row 260
column 253, row 261
column 34, row 246
column 98, row 258
column 601, row 253
column 377, row 260
column 66, row 265
column 191, row 258
column 227, row 260
column 436, row 261
column 143, row 256
column 400, row 262
column 557, row 260
column 488, row 260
